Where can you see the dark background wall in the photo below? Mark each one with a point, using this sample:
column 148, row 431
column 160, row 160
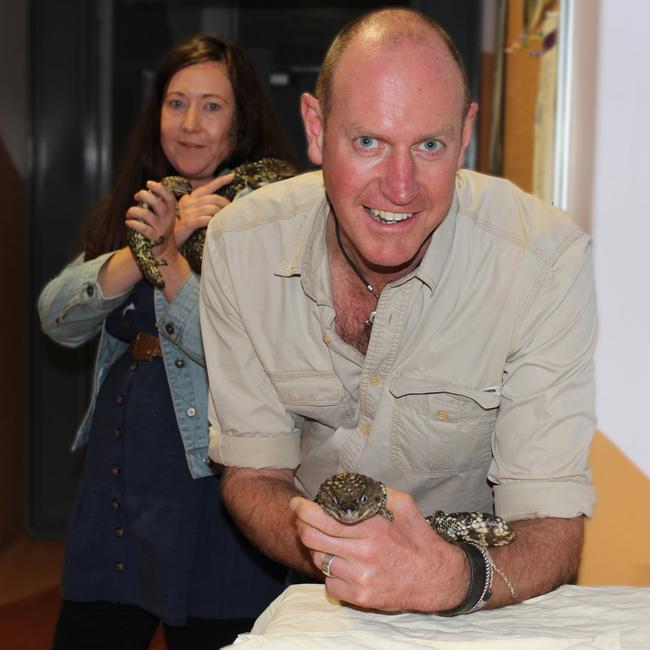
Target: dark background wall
column 79, row 73
column 13, row 164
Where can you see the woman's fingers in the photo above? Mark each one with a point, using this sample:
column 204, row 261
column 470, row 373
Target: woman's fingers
column 154, row 214
column 191, row 206
column 214, row 185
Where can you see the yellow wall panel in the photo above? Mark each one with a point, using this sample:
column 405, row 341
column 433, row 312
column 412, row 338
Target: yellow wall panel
column 617, row 537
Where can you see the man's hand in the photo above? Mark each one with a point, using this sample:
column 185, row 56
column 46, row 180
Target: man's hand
column 385, row 565
column 404, row 565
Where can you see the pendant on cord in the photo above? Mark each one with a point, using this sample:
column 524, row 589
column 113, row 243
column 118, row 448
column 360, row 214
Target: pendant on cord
column 371, row 316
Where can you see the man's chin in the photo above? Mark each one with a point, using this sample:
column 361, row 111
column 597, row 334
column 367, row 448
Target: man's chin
column 394, row 264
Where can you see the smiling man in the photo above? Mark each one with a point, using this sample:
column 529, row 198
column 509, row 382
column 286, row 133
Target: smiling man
column 402, row 318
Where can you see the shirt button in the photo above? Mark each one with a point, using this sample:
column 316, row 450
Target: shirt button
column 375, row 380
column 442, row 415
column 179, row 363
column 327, row 339
column 90, row 290
column 118, row 433
column 119, row 566
column 115, row 503
column 133, row 366
column 191, row 411
column 120, row 400
column 116, row 469
column 119, row 531
column 169, row 328
column 208, row 462
column 366, row 428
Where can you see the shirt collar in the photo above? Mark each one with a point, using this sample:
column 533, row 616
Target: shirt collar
column 308, row 255
column 434, row 261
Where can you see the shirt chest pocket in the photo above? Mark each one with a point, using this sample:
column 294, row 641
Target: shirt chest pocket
column 440, row 428
column 316, row 396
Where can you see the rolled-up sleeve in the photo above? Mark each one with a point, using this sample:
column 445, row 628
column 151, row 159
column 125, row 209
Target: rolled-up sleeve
column 546, row 418
column 72, row 307
column 249, row 425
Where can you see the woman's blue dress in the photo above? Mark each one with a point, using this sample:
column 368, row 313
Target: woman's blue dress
column 143, row 531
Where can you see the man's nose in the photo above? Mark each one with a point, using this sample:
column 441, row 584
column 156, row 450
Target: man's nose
column 191, row 119
column 399, row 182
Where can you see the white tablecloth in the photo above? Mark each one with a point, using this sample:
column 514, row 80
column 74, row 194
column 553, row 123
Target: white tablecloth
column 603, row 618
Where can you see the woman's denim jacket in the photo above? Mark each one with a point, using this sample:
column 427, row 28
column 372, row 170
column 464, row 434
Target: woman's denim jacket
column 73, row 311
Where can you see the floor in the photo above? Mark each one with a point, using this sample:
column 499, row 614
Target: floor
column 29, row 567
column 30, row 571
column 29, row 593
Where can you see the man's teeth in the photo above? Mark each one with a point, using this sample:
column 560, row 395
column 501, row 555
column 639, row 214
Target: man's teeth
column 389, row 217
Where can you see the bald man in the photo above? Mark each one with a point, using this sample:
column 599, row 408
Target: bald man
column 396, row 316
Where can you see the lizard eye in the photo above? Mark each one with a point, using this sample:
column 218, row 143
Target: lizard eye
column 364, row 499
column 335, row 501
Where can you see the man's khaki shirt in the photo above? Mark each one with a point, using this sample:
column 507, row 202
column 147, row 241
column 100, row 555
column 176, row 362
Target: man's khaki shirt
column 477, row 390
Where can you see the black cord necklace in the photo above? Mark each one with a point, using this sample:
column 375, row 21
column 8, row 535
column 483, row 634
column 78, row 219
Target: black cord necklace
column 371, row 316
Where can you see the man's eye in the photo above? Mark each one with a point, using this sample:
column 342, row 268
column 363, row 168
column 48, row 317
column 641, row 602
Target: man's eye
column 432, row 146
column 366, row 142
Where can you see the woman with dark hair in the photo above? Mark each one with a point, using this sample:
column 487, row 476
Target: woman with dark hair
column 149, row 539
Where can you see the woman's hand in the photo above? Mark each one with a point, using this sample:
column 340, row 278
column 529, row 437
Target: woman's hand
column 170, row 223
column 197, row 209
column 121, row 272
column 158, row 221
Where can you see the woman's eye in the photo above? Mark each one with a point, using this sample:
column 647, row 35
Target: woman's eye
column 366, row 142
column 213, row 106
column 175, row 104
column 432, row 146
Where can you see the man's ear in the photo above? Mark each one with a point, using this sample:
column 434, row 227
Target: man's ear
column 466, row 135
column 312, row 119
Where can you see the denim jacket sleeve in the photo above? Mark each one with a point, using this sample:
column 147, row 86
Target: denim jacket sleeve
column 72, row 307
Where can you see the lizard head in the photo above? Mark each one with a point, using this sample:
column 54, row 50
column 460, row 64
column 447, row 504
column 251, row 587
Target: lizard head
column 351, row 497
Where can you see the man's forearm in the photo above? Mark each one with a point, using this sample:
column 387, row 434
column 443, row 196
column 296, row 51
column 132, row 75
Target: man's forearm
column 545, row 555
column 258, row 501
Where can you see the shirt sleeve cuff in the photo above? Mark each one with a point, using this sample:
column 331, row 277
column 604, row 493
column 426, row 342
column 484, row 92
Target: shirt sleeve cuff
column 255, row 451
column 564, row 499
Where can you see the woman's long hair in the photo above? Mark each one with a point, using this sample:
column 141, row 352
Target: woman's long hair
column 257, row 135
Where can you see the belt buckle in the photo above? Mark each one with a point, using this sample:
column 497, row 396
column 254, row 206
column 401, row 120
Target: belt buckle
column 144, row 347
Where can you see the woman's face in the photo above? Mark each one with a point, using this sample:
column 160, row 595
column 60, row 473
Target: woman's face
column 197, row 119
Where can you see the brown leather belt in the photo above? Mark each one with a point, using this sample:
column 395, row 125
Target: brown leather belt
column 144, row 347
